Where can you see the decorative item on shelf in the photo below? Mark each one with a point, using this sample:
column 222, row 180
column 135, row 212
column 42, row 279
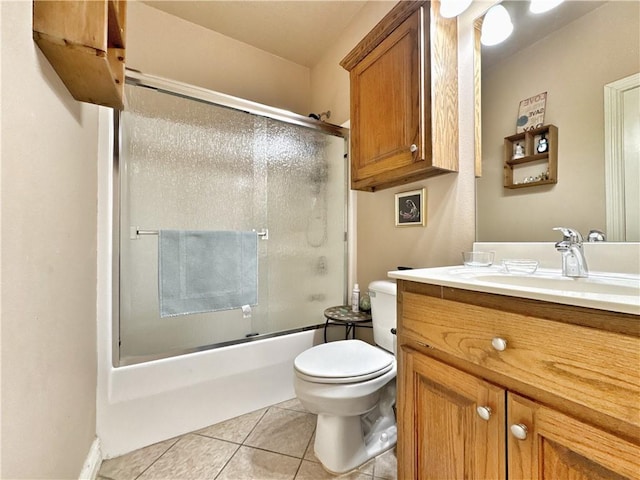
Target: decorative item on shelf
column 538, row 178
column 410, row 208
column 519, row 153
column 531, row 112
column 540, row 147
column 543, row 144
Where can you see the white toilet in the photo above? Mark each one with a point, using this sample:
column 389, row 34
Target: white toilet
column 351, row 386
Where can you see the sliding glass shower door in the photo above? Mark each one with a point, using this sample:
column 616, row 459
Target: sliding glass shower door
column 189, row 164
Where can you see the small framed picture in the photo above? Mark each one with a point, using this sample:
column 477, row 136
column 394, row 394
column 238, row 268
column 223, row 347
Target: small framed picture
column 410, row 208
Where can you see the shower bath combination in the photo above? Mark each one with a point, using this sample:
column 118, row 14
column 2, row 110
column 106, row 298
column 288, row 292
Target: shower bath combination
column 190, row 160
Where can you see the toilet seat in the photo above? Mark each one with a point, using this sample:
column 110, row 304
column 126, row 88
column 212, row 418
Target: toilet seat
column 345, row 361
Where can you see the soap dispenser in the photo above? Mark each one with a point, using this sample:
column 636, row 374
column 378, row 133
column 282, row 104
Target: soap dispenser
column 355, row 298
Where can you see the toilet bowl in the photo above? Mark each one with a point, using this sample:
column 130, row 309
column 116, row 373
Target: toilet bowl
column 350, row 385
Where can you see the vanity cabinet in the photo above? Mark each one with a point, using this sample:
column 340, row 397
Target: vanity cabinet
column 546, row 162
column 84, row 40
column 404, row 98
column 473, row 366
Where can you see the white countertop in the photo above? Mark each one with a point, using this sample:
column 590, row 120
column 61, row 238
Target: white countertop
column 604, row 291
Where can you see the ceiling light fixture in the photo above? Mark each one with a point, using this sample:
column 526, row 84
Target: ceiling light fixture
column 453, row 8
column 496, row 26
column 541, row 6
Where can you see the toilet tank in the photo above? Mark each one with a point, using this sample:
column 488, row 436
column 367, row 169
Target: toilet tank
column 383, row 313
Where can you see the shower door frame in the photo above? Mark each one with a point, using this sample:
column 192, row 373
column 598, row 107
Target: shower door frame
column 211, row 97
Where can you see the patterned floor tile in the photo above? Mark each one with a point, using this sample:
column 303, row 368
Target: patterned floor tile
column 314, row 471
column 131, row 465
column 386, row 466
column 251, row 464
column 236, row 429
column 283, row 431
column 293, row 404
column 192, row 457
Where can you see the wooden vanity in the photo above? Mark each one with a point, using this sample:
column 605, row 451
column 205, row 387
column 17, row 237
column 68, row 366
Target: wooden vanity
column 493, row 387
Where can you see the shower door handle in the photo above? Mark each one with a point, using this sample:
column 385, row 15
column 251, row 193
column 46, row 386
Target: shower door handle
column 263, row 234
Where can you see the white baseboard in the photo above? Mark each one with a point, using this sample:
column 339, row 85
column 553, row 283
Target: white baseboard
column 92, row 462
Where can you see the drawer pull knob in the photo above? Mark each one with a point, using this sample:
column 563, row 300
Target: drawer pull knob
column 519, row 431
column 413, row 148
column 484, row 412
column 500, row 344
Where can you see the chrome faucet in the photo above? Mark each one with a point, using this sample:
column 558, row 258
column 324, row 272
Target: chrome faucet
column 596, row 236
column 574, row 263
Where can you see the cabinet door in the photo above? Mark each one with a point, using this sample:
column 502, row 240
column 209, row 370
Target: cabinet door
column 557, row 446
column 385, row 109
column 441, row 434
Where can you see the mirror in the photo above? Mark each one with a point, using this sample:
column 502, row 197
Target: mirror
column 572, row 53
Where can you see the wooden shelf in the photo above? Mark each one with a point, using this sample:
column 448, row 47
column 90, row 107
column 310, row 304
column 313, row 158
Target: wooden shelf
column 530, row 140
column 84, row 40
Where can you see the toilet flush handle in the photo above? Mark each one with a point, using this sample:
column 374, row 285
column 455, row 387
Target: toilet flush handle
column 394, row 331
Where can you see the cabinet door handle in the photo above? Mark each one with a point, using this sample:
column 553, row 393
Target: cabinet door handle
column 484, row 412
column 519, row 431
column 413, row 148
column 500, row 344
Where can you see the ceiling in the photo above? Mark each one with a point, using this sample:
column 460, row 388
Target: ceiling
column 297, row 30
column 301, row 30
column 528, row 27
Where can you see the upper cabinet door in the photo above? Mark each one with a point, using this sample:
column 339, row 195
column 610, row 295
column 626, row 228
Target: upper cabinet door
column 385, row 101
column 404, row 98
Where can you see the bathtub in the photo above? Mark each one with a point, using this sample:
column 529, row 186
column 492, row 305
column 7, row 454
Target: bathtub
column 142, row 404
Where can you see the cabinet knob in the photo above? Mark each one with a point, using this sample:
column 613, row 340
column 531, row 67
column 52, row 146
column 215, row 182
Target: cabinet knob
column 484, row 412
column 413, row 148
column 499, row 344
column 519, row 431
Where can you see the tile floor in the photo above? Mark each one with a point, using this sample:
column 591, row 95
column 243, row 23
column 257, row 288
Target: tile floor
column 272, row 443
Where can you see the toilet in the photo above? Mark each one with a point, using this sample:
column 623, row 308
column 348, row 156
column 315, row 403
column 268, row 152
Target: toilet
column 351, row 386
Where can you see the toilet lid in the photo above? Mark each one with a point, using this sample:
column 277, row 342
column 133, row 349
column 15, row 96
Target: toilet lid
column 343, row 362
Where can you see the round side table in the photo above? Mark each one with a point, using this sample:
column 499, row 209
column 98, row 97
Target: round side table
column 343, row 315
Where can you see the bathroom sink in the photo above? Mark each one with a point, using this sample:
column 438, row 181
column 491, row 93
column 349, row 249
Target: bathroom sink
column 599, row 285
column 606, row 291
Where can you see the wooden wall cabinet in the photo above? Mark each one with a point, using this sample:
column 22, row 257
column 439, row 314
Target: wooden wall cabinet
column 559, row 401
column 547, row 160
column 404, row 98
column 84, row 40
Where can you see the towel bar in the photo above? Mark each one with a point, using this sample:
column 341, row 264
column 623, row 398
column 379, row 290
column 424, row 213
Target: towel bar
column 136, row 232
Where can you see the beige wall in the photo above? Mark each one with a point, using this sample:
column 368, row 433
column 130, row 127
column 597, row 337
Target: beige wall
column 163, row 45
column 572, row 65
column 381, row 246
column 49, row 153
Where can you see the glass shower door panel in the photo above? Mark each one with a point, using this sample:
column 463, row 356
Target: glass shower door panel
column 306, row 216
column 185, row 165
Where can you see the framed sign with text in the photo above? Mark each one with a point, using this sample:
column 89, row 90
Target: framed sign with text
column 531, row 112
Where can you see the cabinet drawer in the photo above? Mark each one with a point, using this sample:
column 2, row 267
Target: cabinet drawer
column 594, row 368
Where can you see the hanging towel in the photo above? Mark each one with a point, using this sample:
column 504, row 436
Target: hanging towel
column 206, row 271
